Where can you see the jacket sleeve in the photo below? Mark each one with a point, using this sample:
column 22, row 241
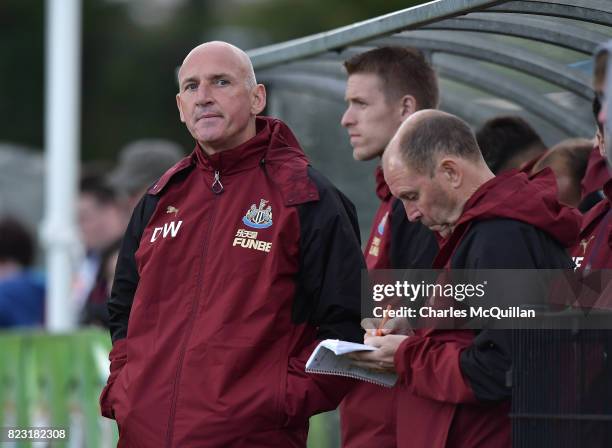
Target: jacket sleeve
column 328, row 282
column 327, row 296
column 487, row 361
column 118, row 358
column 427, row 363
column 464, row 366
column 122, row 295
column 126, row 273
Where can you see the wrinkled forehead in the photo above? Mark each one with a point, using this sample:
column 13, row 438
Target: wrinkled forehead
column 213, row 61
column 402, row 181
column 393, row 159
column 394, row 165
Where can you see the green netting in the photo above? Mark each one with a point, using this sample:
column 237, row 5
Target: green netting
column 55, row 380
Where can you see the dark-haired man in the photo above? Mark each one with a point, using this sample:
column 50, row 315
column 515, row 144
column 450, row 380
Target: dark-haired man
column 101, row 222
column 453, row 383
column 384, row 87
column 509, row 142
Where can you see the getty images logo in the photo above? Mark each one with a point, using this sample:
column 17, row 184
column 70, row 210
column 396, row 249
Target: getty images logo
column 169, row 229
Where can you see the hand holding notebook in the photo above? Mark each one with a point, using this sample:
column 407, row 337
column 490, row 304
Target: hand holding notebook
column 330, row 358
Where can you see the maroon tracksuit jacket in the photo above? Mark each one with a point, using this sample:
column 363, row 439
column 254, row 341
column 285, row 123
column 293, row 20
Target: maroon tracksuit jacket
column 594, row 250
column 453, row 392
column 596, row 175
column 232, row 267
column 367, row 414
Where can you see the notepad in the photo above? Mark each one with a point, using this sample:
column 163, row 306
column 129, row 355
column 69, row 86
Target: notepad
column 329, row 359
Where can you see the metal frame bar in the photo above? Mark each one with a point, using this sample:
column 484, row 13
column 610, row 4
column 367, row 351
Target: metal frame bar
column 541, row 30
column 456, row 104
column 307, row 63
column 379, row 26
column 321, row 67
column 323, row 86
column 477, row 114
column 497, row 53
column 502, row 86
column 594, row 11
column 320, row 85
column 62, row 125
column 316, row 84
column 477, row 77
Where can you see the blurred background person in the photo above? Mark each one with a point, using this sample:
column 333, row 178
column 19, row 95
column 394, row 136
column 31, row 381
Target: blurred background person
column 22, row 290
column 597, row 173
column 594, row 250
column 101, row 222
column 95, row 310
column 509, row 142
column 140, row 164
column 568, row 160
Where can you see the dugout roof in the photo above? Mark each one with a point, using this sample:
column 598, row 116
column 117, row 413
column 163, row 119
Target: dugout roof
column 531, row 58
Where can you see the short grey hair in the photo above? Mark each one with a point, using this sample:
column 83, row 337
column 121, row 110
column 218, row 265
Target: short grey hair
column 436, row 135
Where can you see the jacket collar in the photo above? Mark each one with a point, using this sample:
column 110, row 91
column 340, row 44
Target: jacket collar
column 512, row 195
column 382, row 189
column 245, row 156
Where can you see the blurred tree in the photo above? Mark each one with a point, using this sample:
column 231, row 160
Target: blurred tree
column 21, row 72
column 288, row 19
column 128, row 81
column 129, row 75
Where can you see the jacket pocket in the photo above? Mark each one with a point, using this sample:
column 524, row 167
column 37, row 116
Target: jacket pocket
column 244, row 383
column 283, row 416
column 113, row 397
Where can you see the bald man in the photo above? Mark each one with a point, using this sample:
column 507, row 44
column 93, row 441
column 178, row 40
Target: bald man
column 235, row 263
column 453, row 390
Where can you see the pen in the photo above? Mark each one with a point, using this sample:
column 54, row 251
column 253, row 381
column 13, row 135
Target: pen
column 384, row 321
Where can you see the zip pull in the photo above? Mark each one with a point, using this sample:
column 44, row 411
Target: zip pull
column 217, row 186
column 262, row 165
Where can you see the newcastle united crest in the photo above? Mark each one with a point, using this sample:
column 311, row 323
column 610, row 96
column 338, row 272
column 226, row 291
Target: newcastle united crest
column 259, row 218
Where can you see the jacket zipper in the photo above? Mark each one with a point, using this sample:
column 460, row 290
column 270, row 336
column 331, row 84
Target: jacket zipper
column 217, row 188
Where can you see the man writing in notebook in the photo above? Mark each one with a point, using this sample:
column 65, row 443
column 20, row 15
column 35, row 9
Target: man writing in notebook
column 453, row 390
column 384, row 87
column 234, row 264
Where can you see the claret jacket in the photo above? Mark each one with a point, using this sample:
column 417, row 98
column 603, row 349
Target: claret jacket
column 232, row 268
column 368, row 412
column 453, row 389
